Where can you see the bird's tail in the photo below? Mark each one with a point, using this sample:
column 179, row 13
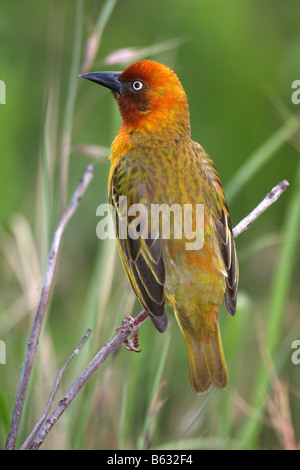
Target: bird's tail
column 206, row 361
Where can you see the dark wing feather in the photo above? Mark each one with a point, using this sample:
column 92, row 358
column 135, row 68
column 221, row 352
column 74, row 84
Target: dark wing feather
column 225, row 237
column 142, row 258
column 228, row 251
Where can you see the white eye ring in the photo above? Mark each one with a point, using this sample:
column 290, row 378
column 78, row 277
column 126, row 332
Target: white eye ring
column 137, row 85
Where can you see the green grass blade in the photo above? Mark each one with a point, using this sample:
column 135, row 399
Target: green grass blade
column 260, row 157
column 105, row 14
column 157, row 380
column 278, row 298
column 4, row 413
column 69, row 110
column 123, row 417
column 47, row 187
column 94, row 40
column 202, row 443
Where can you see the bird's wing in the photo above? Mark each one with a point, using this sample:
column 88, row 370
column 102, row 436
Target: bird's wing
column 228, row 251
column 142, row 257
column 224, row 234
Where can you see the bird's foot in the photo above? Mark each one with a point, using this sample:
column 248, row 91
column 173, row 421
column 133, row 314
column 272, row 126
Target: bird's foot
column 132, row 325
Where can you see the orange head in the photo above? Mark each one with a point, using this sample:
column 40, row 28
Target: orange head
column 149, row 95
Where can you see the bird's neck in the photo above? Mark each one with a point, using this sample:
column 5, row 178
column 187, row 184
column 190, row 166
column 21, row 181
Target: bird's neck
column 145, row 136
column 130, row 138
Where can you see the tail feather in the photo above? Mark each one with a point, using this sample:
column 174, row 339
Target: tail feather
column 206, row 362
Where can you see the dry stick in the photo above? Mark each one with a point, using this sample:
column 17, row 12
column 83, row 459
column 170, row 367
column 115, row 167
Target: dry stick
column 79, row 383
column 48, row 283
column 54, row 390
column 139, row 319
column 270, row 198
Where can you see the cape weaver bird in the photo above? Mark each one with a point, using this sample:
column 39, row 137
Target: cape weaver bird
column 154, row 161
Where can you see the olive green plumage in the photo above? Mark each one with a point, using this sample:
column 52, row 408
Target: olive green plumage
column 154, row 161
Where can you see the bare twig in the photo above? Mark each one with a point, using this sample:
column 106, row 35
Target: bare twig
column 270, row 198
column 54, row 391
column 48, row 283
column 39, row 437
column 79, row 383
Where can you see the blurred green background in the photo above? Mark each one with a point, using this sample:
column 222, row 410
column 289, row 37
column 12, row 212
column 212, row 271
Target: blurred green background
column 237, row 61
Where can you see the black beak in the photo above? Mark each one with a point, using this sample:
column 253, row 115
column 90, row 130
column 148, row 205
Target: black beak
column 108, row 79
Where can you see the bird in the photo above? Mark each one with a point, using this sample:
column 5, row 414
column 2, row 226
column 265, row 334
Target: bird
column 155, row 162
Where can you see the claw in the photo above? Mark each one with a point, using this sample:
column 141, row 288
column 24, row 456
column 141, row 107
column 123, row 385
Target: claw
column 132, row 325
column 132, row 344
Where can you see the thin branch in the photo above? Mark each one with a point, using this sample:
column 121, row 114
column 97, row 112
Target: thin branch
column 270, row 198
column 48, row 284
column 79, row 383
column 123, row 335
column 54, row 390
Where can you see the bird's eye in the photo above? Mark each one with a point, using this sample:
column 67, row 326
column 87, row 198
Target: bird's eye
column 137, row 85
